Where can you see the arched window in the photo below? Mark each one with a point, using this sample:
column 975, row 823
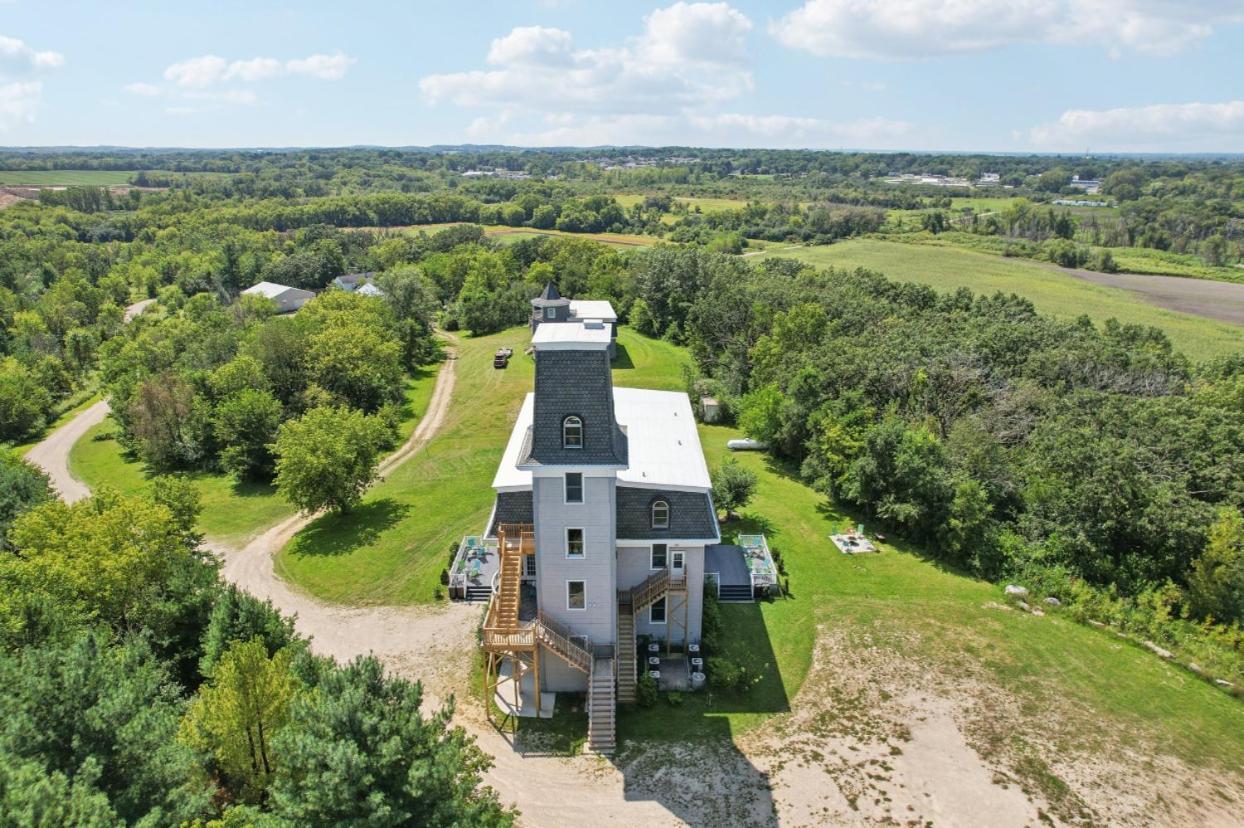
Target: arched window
column 660, row 514
column 572, row 432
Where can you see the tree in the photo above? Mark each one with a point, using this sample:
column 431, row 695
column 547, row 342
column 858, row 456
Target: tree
column 733, row 486
column 760, row 413
column 357, row 363
column 109, row 558
column 327, row 458
column 362, row 753
column 22, row 486
column 246, row 424
column 238, row 714
column 24, row 403
column 103, row 714
column 414, row 307
column 1216, row 582
column 31, row 796
column 239, row 616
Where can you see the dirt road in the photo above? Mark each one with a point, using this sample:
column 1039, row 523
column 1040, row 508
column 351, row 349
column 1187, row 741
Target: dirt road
column 1223, row 301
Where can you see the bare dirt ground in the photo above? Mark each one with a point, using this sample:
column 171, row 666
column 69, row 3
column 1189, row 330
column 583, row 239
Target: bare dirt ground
column 1223, row 301
column 873, row 737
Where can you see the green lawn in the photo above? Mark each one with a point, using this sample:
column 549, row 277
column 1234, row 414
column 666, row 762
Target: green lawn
column 233, row 512
column 393, row 547
column 1059, row 294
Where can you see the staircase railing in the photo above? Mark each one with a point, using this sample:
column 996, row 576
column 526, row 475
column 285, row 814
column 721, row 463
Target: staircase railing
column 558, row 638
column 653, row 587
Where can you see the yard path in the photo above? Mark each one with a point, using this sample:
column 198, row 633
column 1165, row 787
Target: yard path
column 52, row 455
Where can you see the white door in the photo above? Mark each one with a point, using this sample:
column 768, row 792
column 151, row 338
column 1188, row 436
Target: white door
column 676, row 563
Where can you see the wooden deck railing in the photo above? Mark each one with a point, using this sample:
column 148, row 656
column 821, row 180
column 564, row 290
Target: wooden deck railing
column 654, row 586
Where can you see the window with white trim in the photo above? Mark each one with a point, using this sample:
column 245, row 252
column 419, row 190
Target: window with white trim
column 572, row 432
column 550, row 313
column 659, row 555
column 574, row 543
column 574, row 487
column 576, row 595
column 660, row 514
column 656, row 613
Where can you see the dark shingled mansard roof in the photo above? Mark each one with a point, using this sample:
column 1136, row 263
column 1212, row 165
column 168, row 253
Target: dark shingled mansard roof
column 512, row 507
column 691, row 514
column 579, row 383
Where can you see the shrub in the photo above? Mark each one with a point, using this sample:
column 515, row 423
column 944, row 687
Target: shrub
column 646, row 691
column 675, row 699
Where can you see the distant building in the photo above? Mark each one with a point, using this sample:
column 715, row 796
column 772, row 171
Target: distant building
column 990, row 179
column 362, row 283
column 1089, row 185
column 287, row 299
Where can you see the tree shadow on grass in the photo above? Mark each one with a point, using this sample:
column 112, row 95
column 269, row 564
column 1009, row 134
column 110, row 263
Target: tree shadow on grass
column 341, row 534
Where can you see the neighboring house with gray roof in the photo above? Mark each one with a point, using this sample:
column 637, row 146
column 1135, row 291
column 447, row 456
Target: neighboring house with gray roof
column 603, row 514
column 363, row 283
column 287, row 299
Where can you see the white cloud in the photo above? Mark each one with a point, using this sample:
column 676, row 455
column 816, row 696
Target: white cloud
column 1171, row 127
column 533, row 46
column 324, row 67
column 197, row 73
column 148, row 90
column 209, row 70
column 688, row 54
column 18, row 102
column 16, row 55
column 255, row 69
column 908, row 29
column 665, row 85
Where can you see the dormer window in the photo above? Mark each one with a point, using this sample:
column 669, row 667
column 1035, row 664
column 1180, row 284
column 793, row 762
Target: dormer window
column 572, row 433
column 660, row 514
column 550, row 313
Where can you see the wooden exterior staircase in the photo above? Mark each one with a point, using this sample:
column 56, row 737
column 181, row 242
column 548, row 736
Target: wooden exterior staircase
column 601, row 707
column 627, row 676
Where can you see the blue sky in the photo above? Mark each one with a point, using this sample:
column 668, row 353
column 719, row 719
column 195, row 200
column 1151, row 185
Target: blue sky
column 1007, row 75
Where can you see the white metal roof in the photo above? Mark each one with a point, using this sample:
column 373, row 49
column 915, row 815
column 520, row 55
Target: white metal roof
column 271, row 290
column 570, row 335
column 593, row 309
column 661, row 436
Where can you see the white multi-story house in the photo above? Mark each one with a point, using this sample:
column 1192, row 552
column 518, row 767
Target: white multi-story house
column 602, row 517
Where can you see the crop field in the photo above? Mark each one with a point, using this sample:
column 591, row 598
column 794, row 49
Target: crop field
column 1052, row 291
column 65, row 178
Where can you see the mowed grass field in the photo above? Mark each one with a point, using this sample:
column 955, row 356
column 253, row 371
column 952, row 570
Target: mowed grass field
column 233, row 511
column 1059, row 294
column 65, row 178
column 392, row 548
